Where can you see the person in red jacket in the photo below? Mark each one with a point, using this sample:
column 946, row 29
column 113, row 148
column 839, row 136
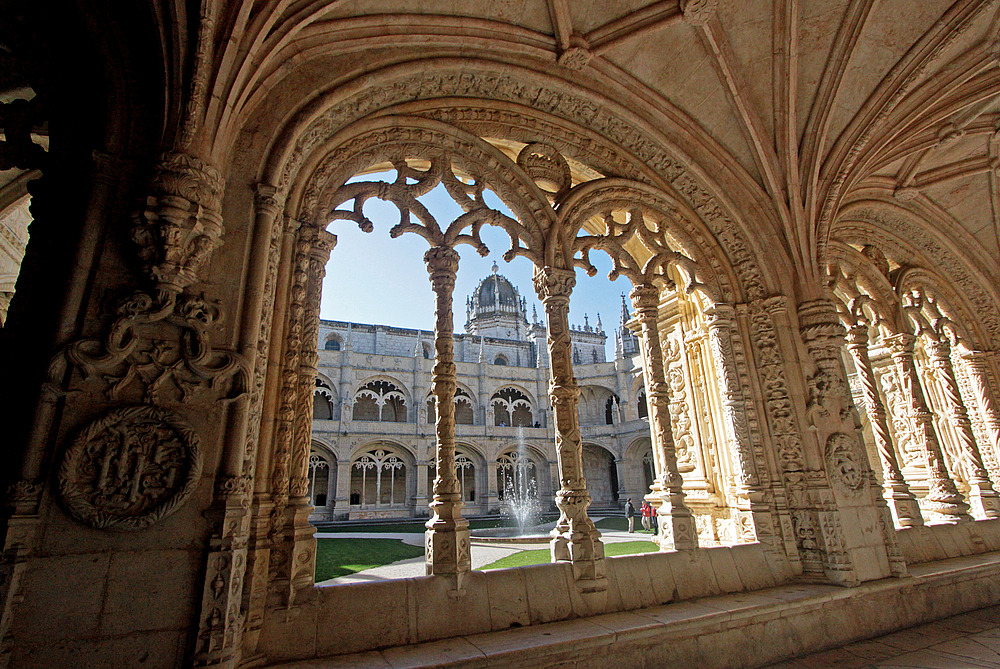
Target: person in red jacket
column 647, row 515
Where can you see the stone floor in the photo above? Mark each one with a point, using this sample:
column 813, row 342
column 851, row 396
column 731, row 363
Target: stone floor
column 966, row 641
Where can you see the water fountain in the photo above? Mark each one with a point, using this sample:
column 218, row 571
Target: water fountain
column 520, row 505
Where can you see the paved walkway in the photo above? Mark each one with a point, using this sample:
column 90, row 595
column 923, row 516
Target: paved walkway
column 482, row 553
column 967, row 641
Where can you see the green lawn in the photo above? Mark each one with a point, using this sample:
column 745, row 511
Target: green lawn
column 526, row 558
column 337, row 557
column 417, row 527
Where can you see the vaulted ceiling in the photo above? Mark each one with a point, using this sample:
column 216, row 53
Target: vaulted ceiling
column 813, row 104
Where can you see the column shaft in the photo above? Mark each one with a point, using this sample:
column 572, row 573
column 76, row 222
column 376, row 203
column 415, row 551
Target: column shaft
column 902, row 502
column 942, row 498
column 574, row 539
column 984, row 499
column 447, row 537
column 676, row 522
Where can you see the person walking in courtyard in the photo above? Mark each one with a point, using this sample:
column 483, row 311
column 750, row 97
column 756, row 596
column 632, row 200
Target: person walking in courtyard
column 630, row 514
column 646, row 511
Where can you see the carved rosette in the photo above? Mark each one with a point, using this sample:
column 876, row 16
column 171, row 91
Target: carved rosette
column 698, row 12
column 180, row 224
column 130, row 469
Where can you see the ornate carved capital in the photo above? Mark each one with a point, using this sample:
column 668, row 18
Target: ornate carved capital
column 553, row 283
column 267, row 199
column 645, row 297
column 899, row 345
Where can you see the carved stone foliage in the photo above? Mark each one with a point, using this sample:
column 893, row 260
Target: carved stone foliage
column 844, row 462
column 130, row 468
column 680, row 411
column 363, row 100
column 157, row 350
column 180, row 224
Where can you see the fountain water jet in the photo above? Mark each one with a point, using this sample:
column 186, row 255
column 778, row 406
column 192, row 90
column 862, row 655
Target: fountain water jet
column 520, row 500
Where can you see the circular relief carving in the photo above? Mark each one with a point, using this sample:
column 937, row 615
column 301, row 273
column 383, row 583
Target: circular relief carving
column 842, row 462
column 129, row 469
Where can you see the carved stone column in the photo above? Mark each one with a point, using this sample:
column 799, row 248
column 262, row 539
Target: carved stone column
column 902, row 502
column 676, row 522
column 977, row 367
column 575, row 538
column 942, row 498
column 753, row 497
column 447, row 537
column 301, row 568
column 834, row 418
column 984, row 499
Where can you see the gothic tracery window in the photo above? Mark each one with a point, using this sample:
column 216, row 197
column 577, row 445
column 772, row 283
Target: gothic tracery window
column 378, row 479
column 322, row 401
column 319, row 479
column 511, row 407
column 380, row 400
column 517, row 476
column 464, row 413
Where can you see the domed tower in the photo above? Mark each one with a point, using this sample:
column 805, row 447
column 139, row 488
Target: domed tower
column 496, row 309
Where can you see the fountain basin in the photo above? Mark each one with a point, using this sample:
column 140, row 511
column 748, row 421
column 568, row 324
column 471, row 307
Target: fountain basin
column 537, row 534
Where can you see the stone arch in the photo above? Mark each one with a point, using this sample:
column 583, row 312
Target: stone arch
column 465, row 406
column 325, row 398
column 381, row 398
column 333, row 342
column 910, row 242
column 593, row 407
column 382, row 477
column 512, row 406
column 497, row 103
column 600, row 468
column 322, row 477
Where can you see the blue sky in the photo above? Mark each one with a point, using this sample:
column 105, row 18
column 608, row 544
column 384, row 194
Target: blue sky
column 372, row 278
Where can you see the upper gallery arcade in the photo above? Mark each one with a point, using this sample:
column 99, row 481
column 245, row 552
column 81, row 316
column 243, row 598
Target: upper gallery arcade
column 802, row 193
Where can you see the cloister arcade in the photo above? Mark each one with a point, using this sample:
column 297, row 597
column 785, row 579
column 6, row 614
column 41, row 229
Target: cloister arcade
column 804, row 197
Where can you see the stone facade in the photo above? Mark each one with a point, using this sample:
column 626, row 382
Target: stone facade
column 804, row 198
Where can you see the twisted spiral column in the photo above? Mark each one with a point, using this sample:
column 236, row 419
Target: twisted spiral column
column 984, row 499
column 575, row 538
column 976, row 365
column 676, row 522
column 943, row 498
column 895, row 490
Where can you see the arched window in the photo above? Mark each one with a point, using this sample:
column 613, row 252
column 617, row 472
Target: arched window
column 319, row 479
column 641, row 405
column 500, row 360
column 511, row 407
column 322, row 401
column 517, row 476
column 378, row 479
column 648, row 471
column 464, row 413
column 465, row 470
column 380, row 400
column 610, row 409
column 332, row 344
column 427, row 352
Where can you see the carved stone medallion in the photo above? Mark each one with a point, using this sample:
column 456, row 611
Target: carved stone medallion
column 129, row 469
column 842, row 462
